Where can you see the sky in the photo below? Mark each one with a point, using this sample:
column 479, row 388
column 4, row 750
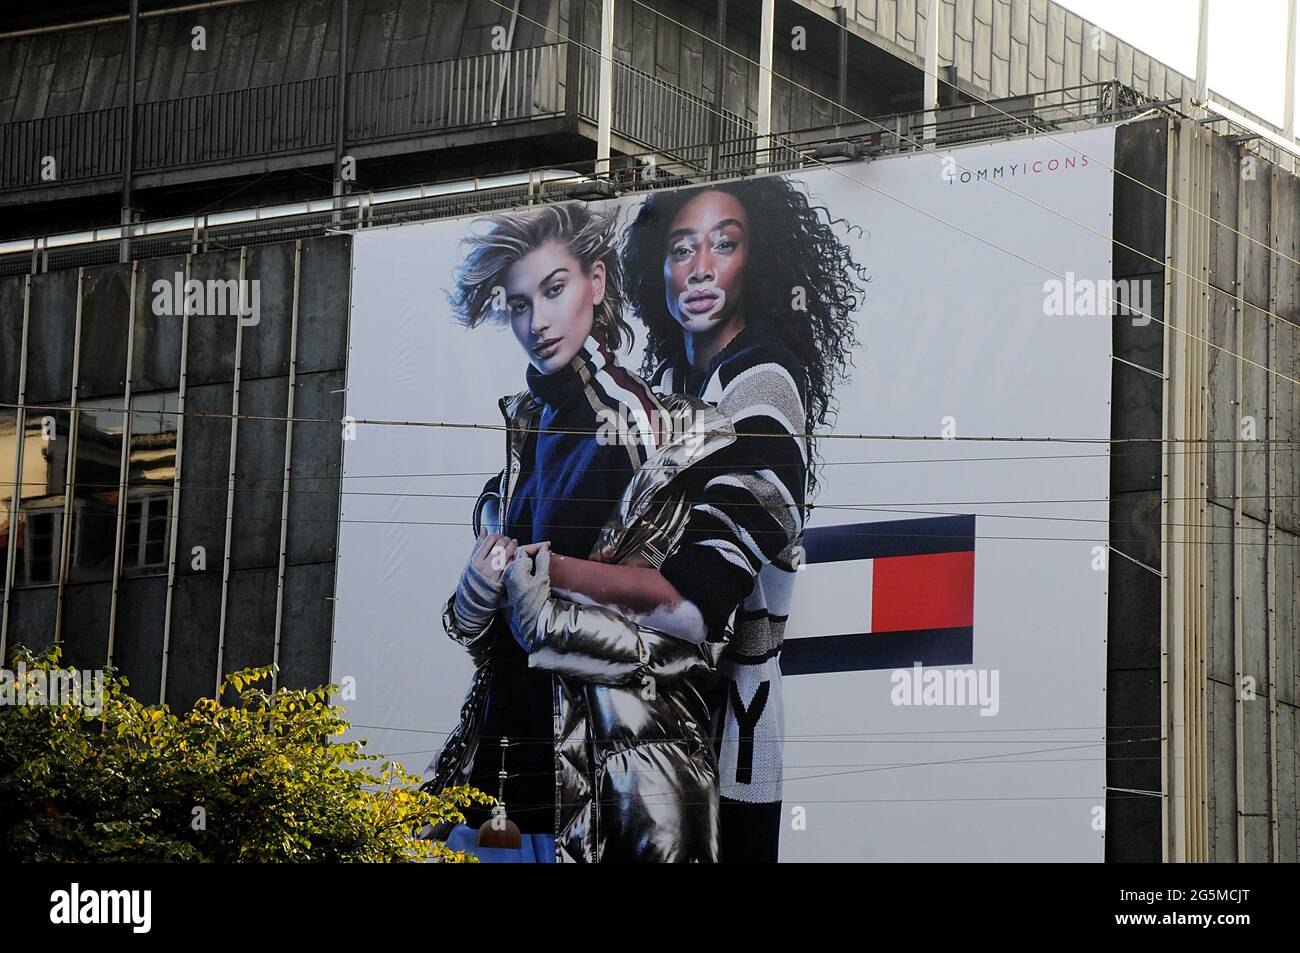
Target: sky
column 1247, row 49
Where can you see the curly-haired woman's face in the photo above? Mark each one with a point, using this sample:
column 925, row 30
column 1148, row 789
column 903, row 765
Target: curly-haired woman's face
column 704, row 264
column 550, row 302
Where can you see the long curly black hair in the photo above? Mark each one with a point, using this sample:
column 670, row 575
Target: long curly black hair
column 792, row 244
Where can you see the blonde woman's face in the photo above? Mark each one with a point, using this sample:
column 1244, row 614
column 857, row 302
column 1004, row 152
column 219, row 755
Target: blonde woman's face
column 550, row 302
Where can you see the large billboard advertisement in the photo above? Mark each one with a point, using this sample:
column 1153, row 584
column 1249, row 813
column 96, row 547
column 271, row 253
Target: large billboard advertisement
column 791, row 509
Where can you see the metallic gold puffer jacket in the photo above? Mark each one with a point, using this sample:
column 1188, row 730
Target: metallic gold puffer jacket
column 636, row 773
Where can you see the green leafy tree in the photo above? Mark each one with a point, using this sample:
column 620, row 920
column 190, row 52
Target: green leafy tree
column 260, row 776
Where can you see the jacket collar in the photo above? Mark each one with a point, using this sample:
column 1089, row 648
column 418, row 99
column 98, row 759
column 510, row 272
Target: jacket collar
column 699, row 431
column 556, row 388
column 695, row 382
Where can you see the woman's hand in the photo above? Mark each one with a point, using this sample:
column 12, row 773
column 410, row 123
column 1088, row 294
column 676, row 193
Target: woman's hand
column 532, row 549
column 482, row 583
column 492, row 554
column 529, row 587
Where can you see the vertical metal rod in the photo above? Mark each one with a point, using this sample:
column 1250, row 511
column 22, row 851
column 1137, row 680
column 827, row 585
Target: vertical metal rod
column 1191, row 576
column 1270, row 551
column 65, row 545
column 842, row 87
column 1202, row 516
column 1173, row 512
column 123, row 468
column 605, row 98
column 128, row 150
column 766, row 39
column 343, row 450
column 505, row 61
column 572, row 53
column 1202, row 50
column 230, row 475
column 175, row 525
column 1288, row 89
column 931, row 91
column 340, row 111
column 288, row 462
column 716, row 124
column 1170, row 705
column 15, row 501
column 1238, row 519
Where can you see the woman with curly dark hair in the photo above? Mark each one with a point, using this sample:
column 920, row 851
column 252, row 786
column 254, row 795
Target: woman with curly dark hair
column 750, row 299
column 792, row 262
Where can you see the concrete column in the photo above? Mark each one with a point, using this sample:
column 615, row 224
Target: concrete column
column 931, row 103
column 764, row 129
column 605, row 99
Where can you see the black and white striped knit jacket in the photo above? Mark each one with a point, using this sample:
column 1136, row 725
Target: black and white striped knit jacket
column 738, row 550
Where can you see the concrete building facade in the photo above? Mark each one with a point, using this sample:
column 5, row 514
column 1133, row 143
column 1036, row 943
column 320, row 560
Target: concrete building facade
column 170, row 482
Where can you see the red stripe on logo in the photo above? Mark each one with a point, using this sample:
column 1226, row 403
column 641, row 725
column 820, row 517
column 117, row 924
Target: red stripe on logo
column 923, row 592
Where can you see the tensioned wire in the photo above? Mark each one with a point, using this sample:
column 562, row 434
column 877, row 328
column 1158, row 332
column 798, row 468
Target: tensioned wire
column 846, row 531
column 698, row 433
column 841, row 764
column 864, row 737
column 866, row 507
column 832, row 738
column 1003, row 757
column 871, row 769
column 940, row 220
column 473, row 496
column 1043, row 132
column 852, row 507
column 703, row 465
column 845, row 507
column 854, row 738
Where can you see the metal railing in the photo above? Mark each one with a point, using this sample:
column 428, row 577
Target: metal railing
column 790, row 151
column 1004, row 118
column 287, row 118
column 239, row 124
column 85, row 145
column 396, row 102
column 404, row 101
column 663, row 118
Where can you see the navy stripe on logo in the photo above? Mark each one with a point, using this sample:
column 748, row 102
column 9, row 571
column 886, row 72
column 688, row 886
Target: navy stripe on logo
column 872, row 651
column 919, row 537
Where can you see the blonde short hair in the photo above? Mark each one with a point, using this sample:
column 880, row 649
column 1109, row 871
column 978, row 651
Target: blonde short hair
column 498, row 241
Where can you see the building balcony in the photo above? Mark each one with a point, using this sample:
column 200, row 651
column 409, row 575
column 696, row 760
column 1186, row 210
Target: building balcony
column 399, row 109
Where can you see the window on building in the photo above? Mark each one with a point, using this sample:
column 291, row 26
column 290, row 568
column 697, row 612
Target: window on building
column 96, row 487
column 44, row 461
column 150, row 476
column 42, row 542
column 9, row 445
column 144, row 539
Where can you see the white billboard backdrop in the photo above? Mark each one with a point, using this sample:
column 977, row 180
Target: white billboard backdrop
column 954, row 335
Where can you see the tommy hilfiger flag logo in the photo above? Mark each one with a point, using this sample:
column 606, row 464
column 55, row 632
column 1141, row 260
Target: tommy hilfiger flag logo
column 903, row 592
